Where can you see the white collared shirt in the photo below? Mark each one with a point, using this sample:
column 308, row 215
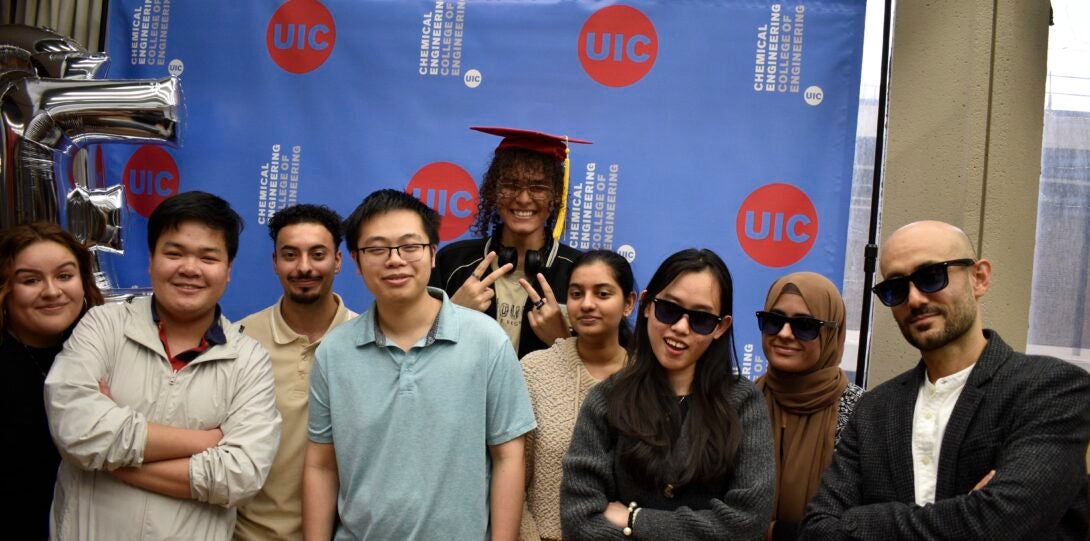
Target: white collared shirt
column 934, row 404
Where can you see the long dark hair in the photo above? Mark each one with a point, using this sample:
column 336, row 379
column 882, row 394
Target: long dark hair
column 645, row 410
column 622, row 274
column 16, row 239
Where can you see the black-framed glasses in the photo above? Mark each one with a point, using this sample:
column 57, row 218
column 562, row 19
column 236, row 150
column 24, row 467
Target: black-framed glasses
column 928, row 279
column 802, row 327
column 700, row 322
column 510, row 190
column 407, row 252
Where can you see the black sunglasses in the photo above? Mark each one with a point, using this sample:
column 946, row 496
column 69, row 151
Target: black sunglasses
column 803, row 327
column 928, row 279
column 700, row 322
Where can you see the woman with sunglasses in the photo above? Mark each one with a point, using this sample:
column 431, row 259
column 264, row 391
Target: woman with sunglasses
column 675, row 445
column 601, row 295
column 809, row 397
column 46, row 285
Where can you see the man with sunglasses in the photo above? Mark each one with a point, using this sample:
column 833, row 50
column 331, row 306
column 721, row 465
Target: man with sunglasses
column 418, row 406
column 978, row 441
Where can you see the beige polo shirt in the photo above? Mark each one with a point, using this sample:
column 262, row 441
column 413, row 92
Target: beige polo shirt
column 276, row 511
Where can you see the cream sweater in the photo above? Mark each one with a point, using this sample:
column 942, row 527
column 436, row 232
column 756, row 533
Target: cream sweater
column 558, row 382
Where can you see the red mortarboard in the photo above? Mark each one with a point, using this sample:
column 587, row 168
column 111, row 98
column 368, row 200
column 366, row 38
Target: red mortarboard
column 548, row 144
column 553, row 145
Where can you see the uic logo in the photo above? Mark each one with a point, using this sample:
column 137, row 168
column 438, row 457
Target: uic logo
column 450, row 191
column 777, row 225
column 150, row 176
column 301, row 35
column 618, row 45
column 628, row 252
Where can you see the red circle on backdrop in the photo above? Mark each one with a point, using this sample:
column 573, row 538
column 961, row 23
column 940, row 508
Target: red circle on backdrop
column 150, row 176
column 300, row 35
column 777, row 225
column 618, row 45
column 450, row 191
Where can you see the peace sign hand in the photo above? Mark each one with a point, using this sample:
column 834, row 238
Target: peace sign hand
column 546, row 318
column 475, row 292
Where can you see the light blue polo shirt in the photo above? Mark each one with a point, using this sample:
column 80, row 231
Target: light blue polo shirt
column 411, row 428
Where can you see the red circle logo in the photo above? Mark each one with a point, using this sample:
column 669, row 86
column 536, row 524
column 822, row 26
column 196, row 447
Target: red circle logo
column 618, row 45
column 450, row 191
column 777, row 225
column 300, row 35
column 150, row 176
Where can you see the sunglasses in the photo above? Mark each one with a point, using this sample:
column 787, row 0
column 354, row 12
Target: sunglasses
column 802, row 327
column 700, row 322
column 927, row 279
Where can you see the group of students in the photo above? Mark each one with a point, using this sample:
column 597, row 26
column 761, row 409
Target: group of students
column 418, row 420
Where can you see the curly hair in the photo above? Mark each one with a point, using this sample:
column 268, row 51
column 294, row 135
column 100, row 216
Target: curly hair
column 304, row 213
column 14, row 240
column 509, row 162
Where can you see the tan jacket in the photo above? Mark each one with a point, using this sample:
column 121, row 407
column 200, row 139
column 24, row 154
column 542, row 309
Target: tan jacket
column 229, row 386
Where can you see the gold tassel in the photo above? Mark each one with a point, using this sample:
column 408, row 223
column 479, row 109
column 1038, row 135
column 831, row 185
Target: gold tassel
column 558, row 229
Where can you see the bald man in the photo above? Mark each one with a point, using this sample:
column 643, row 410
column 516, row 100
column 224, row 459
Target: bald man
column 977, row 441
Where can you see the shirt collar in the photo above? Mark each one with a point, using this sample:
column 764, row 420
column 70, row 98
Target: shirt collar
column 214, row 334
column 283, row 334
column 443, row 328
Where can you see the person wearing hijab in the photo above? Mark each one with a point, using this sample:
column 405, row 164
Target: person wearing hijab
column 809, row 397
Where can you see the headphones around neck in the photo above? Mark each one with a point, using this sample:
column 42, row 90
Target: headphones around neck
column 534, row 262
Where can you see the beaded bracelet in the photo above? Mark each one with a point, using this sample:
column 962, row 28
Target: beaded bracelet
column 632, row 510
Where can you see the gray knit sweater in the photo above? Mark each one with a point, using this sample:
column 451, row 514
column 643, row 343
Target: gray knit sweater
column 592, row 479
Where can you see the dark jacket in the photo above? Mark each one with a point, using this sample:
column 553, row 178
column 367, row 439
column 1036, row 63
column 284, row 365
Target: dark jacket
column 456, row 262
column 1026, row 417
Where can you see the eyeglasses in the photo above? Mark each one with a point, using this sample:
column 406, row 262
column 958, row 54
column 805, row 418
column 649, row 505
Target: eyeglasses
column 511, row 190
column 407, row 252
column 802, row 327
column 700, row 322
column 928, row 279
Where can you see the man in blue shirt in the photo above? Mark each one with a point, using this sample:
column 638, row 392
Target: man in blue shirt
column 417, row 407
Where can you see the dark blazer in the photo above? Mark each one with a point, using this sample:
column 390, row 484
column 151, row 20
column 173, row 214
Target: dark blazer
column 1027, row 417
column 456, row 262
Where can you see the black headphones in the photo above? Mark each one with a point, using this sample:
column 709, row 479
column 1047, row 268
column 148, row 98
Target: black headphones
column 535, row 260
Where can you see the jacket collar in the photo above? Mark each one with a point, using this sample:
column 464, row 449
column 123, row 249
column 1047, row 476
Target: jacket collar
column 142, row 329
column 901, row 412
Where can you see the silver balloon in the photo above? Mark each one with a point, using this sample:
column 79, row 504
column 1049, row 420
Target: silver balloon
column 44, row 119
column 51, row 107
column 42, row 52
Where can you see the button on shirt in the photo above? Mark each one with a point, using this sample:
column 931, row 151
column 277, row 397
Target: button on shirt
column 934, row 404
column 412, row 427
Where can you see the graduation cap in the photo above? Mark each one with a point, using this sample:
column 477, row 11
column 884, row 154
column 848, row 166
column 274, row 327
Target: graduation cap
column 544, row 143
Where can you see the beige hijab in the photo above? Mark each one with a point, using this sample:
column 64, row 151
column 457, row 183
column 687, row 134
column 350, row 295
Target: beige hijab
column 804, row 406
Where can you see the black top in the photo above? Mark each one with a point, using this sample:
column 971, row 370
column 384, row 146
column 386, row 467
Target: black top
column 456, row 262
column 29, row 455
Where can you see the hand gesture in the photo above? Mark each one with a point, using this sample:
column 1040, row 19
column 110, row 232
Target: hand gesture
column 545, row 318
column 475, row 292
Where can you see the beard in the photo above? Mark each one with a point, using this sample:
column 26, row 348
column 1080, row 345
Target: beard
column 956, row 322
column 305, row 298
column 308, row 297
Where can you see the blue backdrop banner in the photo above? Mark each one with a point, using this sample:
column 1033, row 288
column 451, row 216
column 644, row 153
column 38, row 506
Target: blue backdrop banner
column 726, row 124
